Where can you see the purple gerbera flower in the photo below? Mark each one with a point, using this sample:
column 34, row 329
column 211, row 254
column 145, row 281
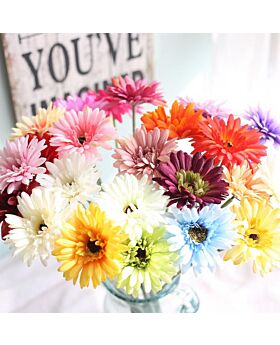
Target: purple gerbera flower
column 265, row 123
column 191, row 180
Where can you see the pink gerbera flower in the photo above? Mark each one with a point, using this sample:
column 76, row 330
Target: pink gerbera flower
column 140, row 155
column 210, row 107
column 127, row 91
column 82, row 132
column 89, row 99
column 20, row 162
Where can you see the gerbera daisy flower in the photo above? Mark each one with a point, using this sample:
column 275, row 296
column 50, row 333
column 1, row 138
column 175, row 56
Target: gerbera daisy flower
column 268, row 125
column 135, row 204
column 32, row 235
column 191, row 181
column 209, row 107
column 140, row 155
column 38, row 124
column 269, row 173
column 88, row 99
column 200, row 236
column 183, row 122
column 113, row 109
column 127, row 91
column 20, row 162
column 149, row 262
column 258, row 226
column 244, row 182
column 9, row 203
column 90, row 246
column 74, row 177
column 228, row 142
column 82, row 132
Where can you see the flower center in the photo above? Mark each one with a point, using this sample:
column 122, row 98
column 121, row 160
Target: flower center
column 254, row 237
column 42, row 227
column 130, row 208
column 192, row 182
column 229, row 144
column 198, row 233
column 82, row 139
column 93, row 247
column 139, row 255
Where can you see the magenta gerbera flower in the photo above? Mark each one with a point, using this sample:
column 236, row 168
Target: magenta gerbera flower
column 141, row 154
column 84, row 132
column 127, row 91
column 192, row 180
column 20, row 162
column 116, row 110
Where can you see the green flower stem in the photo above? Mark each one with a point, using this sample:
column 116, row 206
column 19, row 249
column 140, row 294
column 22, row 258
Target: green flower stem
column 115, row 125
column 133, row 118
column 229, row 201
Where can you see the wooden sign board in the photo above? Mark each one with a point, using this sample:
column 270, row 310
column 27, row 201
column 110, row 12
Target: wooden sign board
column 42, row 67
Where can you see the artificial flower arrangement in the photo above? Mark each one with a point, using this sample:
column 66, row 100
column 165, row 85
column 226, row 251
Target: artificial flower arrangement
column 167, row 210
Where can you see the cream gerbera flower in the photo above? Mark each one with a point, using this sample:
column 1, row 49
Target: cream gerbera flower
column 245, row 183
column 38, row 124
column 269, row 170
column 134, row 204
column 33, row 234
column 74, row 177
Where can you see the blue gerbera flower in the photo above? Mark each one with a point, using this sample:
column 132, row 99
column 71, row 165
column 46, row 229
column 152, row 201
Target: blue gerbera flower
column 265, row 123
column 200, row 236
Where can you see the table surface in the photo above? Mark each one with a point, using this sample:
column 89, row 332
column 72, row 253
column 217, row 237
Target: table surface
column 43, row 289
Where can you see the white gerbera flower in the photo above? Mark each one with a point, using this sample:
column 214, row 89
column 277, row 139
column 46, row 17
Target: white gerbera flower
column 135, row 204
column 269, row 172
column 33, row 234
column 74, row 176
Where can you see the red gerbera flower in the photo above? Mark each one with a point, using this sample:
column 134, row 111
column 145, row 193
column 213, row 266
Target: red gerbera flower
column 8, row 205
column 49, row 152
column 228, row 142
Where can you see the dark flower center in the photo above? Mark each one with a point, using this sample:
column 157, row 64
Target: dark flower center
column 198, row 233
column 192, row 182
column 81, row 140
column 254, row 237
column 229, row 144
column 141, row 254
column 41, row 227
column 129, row 208
column 93, row 247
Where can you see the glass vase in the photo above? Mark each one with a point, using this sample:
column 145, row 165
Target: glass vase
column 173, row 298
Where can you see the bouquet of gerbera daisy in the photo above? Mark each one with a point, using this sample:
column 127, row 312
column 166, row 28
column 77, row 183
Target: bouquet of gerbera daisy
column 168, row 209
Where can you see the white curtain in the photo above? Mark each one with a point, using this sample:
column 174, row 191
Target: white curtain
column 244, row 70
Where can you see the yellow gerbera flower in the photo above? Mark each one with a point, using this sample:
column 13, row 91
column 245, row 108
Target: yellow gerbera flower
column 38, row 124
column 91, row 245
column 258, row 226
column 243, row 183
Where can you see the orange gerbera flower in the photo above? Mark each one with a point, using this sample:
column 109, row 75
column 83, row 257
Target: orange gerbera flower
column 183, row 121
column 228, row 142
column 90, row 246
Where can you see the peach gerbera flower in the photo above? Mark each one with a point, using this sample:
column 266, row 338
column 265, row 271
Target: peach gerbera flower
column 244, row 182
column 228, row 142
column 39, row 124
column 91, row 247
column 183, row 121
